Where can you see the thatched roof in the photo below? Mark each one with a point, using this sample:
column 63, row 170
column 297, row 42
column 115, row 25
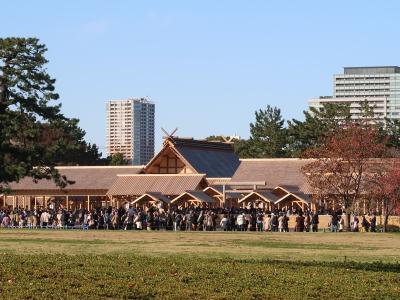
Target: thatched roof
column 85, row 178
column 166, row 184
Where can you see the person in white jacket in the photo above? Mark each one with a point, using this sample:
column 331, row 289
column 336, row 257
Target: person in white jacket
column 267, row 223
column 44, row 219
column 224, row 223
column 240, row 221
column 281, row 223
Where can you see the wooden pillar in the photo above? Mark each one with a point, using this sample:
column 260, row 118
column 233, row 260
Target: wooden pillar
column 45, row 202
column 223, row 196
column 35, row 203
column 4, row 200
column 88, row 202
column 24, row 202
column 67, row 202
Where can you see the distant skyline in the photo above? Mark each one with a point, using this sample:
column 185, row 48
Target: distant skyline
column 207, row 65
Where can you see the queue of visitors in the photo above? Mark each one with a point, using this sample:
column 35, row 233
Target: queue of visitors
column 196, row 219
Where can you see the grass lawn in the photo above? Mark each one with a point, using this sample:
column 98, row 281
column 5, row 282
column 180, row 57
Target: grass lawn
column 42, row 264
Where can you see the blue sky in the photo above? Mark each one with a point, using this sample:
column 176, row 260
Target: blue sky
column 208, row 65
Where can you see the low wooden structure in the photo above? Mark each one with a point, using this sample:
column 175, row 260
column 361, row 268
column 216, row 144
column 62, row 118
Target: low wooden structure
column 194, row 199
column 152, row 199
column 89, row 189
column 292, row 198
column 260, row 199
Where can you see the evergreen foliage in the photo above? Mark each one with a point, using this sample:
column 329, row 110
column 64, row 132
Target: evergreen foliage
column 35, row 136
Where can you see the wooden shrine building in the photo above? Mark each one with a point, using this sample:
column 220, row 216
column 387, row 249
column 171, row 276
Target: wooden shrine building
column 184, row 172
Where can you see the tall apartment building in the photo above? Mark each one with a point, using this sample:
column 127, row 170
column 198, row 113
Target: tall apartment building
column 130, row 129
column 380, row 86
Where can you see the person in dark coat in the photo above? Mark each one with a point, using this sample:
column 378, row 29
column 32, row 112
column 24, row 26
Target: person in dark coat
column 299, row 223
column 372, row 221
column 314, row 222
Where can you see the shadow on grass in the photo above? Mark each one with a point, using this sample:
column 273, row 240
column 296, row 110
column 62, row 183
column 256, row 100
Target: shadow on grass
column 376, row 266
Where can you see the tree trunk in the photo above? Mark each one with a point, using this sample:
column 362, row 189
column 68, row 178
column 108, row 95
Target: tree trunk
column 347, row 226
column 346, row 211
column 385, row 217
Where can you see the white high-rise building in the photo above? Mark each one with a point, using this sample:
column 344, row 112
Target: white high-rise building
column 380, row 86
column 130, row 129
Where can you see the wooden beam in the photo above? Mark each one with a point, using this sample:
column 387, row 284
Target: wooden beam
column 250, row 183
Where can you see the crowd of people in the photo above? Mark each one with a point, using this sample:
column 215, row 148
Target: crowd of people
column 196, row 219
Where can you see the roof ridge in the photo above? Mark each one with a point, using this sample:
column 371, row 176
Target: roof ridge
column 275, row 159
column 186, row 142
column 99, row 167
column 165, row 175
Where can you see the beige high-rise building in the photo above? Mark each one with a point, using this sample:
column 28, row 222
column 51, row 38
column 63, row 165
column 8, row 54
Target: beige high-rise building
column 380, row 86
column 130, row 129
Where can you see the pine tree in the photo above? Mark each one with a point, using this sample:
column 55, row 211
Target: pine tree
column 118, row 159
column 268, row 135
column 318, row 123
column 34, row 134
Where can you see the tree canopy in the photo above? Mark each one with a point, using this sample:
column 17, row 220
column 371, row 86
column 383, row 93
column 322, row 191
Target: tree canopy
column 271, row 136
column 342, row 163
column 317, row 124
column 117, row 159
column 267, row 134
column 35, row 136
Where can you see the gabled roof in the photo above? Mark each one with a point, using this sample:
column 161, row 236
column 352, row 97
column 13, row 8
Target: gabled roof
column 290, row 195
column 215, row 159
column 291, row 192
column 166, row 184
column 274, row 198
column 85, row 178
column 295, row 191
column 194, row 195
column 154, row 197
column 213, row 190
column 264, row 195
column 275, row 172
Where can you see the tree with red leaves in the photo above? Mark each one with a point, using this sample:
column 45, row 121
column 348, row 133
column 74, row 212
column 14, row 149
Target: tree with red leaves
column 340, row 165
column 385, row 186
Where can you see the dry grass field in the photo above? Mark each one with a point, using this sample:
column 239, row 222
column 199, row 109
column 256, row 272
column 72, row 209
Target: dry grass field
column 360, row 247
column 55, row 264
